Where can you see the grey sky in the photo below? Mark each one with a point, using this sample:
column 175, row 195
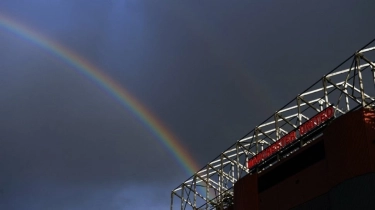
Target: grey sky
column 210, row 70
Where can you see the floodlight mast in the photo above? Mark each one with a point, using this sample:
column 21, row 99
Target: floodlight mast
column 343, row 88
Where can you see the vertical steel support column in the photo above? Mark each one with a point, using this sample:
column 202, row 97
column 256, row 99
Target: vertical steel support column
column 182, row 196
column 360, row 80
column 276, row 116
column 238, row 160
column 195, row 190
column 256, row 140
column 257, row 144
column 232, row 166
column 207, row 186
column 325, row 91
column 247, row 160
column 299, row 110
column 321, row 105
column 346, row 97
column 299, row 119
column 172, row 200
column 221, row 176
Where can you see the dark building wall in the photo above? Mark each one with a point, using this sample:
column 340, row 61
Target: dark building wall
column 298, row 188
column 307, row 180
column 350, row 146
column 354, row 193
column 246, row 192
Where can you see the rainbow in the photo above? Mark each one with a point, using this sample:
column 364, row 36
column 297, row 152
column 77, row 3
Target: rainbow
column 128, row 101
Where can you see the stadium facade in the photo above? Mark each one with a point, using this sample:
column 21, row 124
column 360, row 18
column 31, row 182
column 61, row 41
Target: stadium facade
column 316, row 152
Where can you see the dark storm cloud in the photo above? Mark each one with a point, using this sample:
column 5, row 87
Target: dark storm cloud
column 105, row 195
column 210, row 70
column 208, row 47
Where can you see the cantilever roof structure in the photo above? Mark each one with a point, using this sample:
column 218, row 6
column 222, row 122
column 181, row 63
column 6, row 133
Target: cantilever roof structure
column 347, row 87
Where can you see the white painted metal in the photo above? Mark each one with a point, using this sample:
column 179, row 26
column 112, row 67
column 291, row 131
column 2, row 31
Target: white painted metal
column 212, row 186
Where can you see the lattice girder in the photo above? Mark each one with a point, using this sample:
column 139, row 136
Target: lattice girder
column 344, row 90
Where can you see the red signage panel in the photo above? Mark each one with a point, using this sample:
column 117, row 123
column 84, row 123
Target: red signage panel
column 305, row 128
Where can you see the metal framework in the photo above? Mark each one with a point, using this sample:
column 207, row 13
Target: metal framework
column 343, row 88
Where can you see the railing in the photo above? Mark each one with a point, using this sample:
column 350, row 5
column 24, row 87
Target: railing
column 343, row 88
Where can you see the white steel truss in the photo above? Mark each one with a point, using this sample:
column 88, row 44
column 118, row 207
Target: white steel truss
column 343, row 88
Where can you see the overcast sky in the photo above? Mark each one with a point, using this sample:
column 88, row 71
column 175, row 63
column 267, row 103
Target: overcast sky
column 209, row 70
